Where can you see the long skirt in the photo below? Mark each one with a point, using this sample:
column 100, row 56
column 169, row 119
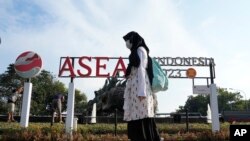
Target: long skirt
column 134, row 108
column 143, row 130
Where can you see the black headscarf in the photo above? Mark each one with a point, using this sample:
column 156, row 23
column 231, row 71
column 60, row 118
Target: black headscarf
column 134, row 60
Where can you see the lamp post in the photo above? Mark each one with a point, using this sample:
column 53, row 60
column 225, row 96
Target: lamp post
column 231, row 104
column 246, row 104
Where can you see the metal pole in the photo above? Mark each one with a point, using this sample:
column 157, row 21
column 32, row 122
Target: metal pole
column 187, row 121
column 72, row 78
column 211, row 73
column 246, row 102
column 115, row 121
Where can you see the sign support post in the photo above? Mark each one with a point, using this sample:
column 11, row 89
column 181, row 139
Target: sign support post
column 26, row 104
column 214, row 103
column 70, row 107
column 27, row 65
column 214, row 108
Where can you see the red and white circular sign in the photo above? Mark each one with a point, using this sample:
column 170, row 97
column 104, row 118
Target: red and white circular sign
column 28, row 64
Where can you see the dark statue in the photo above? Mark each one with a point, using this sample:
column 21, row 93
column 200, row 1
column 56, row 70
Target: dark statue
column 109, row 97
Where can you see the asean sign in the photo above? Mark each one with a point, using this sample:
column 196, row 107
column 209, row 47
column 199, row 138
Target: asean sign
column 88, row 66
column 68, row 67
column 28, row 64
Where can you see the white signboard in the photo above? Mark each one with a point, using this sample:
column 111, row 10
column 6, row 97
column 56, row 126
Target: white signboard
column 201, row 89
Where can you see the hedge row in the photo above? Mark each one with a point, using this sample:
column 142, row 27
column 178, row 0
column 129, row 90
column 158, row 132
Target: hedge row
column 105, row 132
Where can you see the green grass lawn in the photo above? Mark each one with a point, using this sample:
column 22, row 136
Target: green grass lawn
column 43, row 131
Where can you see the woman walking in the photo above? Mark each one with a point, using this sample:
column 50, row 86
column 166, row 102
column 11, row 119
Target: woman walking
column 138, row 97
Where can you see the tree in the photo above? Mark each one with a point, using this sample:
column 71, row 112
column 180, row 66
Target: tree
column 80, row 102
column 7, row 80
column 7, row 84
column 196, row 104
column 229, row 100
column 226, row 101
column 44, row 87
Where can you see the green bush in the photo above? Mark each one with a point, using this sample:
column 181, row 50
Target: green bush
column 102, row 132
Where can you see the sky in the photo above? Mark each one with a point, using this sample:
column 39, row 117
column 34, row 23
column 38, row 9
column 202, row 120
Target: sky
column 171, row 28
